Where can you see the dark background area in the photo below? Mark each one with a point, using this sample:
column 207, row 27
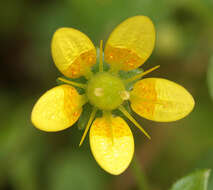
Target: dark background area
column 31, row 159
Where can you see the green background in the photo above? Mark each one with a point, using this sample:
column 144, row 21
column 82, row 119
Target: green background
column 34, row 160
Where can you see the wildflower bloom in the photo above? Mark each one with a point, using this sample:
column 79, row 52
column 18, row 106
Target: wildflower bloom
column 128, row 47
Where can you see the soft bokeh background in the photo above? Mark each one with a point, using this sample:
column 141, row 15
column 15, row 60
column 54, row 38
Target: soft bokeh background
column 34, row 160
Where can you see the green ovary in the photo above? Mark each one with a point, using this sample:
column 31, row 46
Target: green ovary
column 104, row 91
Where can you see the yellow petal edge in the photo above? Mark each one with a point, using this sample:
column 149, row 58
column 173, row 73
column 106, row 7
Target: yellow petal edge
column 131, row 43
column 112, row 144
column 57, row 109
column 73, row 52
column 161, row 100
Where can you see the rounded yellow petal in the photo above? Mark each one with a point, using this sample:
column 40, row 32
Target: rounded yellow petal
column 131, row 43
column 112, row 144
column 57, row 109
column 73, row 52
column 161, row 100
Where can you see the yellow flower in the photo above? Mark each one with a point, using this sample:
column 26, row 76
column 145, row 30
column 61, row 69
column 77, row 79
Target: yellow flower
column 128, row 47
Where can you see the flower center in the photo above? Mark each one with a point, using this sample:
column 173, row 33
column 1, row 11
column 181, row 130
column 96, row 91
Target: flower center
column 106, row 91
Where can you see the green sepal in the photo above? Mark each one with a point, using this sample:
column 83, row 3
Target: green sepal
column 131, row 73
column 197, row 180
column 128, row 74
column 99, row 113
column 84, row 118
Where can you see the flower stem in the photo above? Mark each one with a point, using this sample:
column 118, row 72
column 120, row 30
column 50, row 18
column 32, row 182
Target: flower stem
column 139, row 175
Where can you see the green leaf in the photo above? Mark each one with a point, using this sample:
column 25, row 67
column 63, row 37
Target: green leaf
column 206, row 162
column 210, row 77
column 194, row 181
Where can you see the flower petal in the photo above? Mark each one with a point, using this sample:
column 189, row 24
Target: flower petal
column 161, row 100
column 73, row 52
column 131, row 43
column 112, row 144
column 57, row 109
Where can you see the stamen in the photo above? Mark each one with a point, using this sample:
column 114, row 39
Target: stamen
column 108, row 115
column 141, row 74
column 101, row 57
column 126, row 113
column 92, row 116
column 72, row 83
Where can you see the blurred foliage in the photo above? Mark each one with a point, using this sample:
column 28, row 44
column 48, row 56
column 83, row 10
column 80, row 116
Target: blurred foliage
column 74, row 170
column 32, row 159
